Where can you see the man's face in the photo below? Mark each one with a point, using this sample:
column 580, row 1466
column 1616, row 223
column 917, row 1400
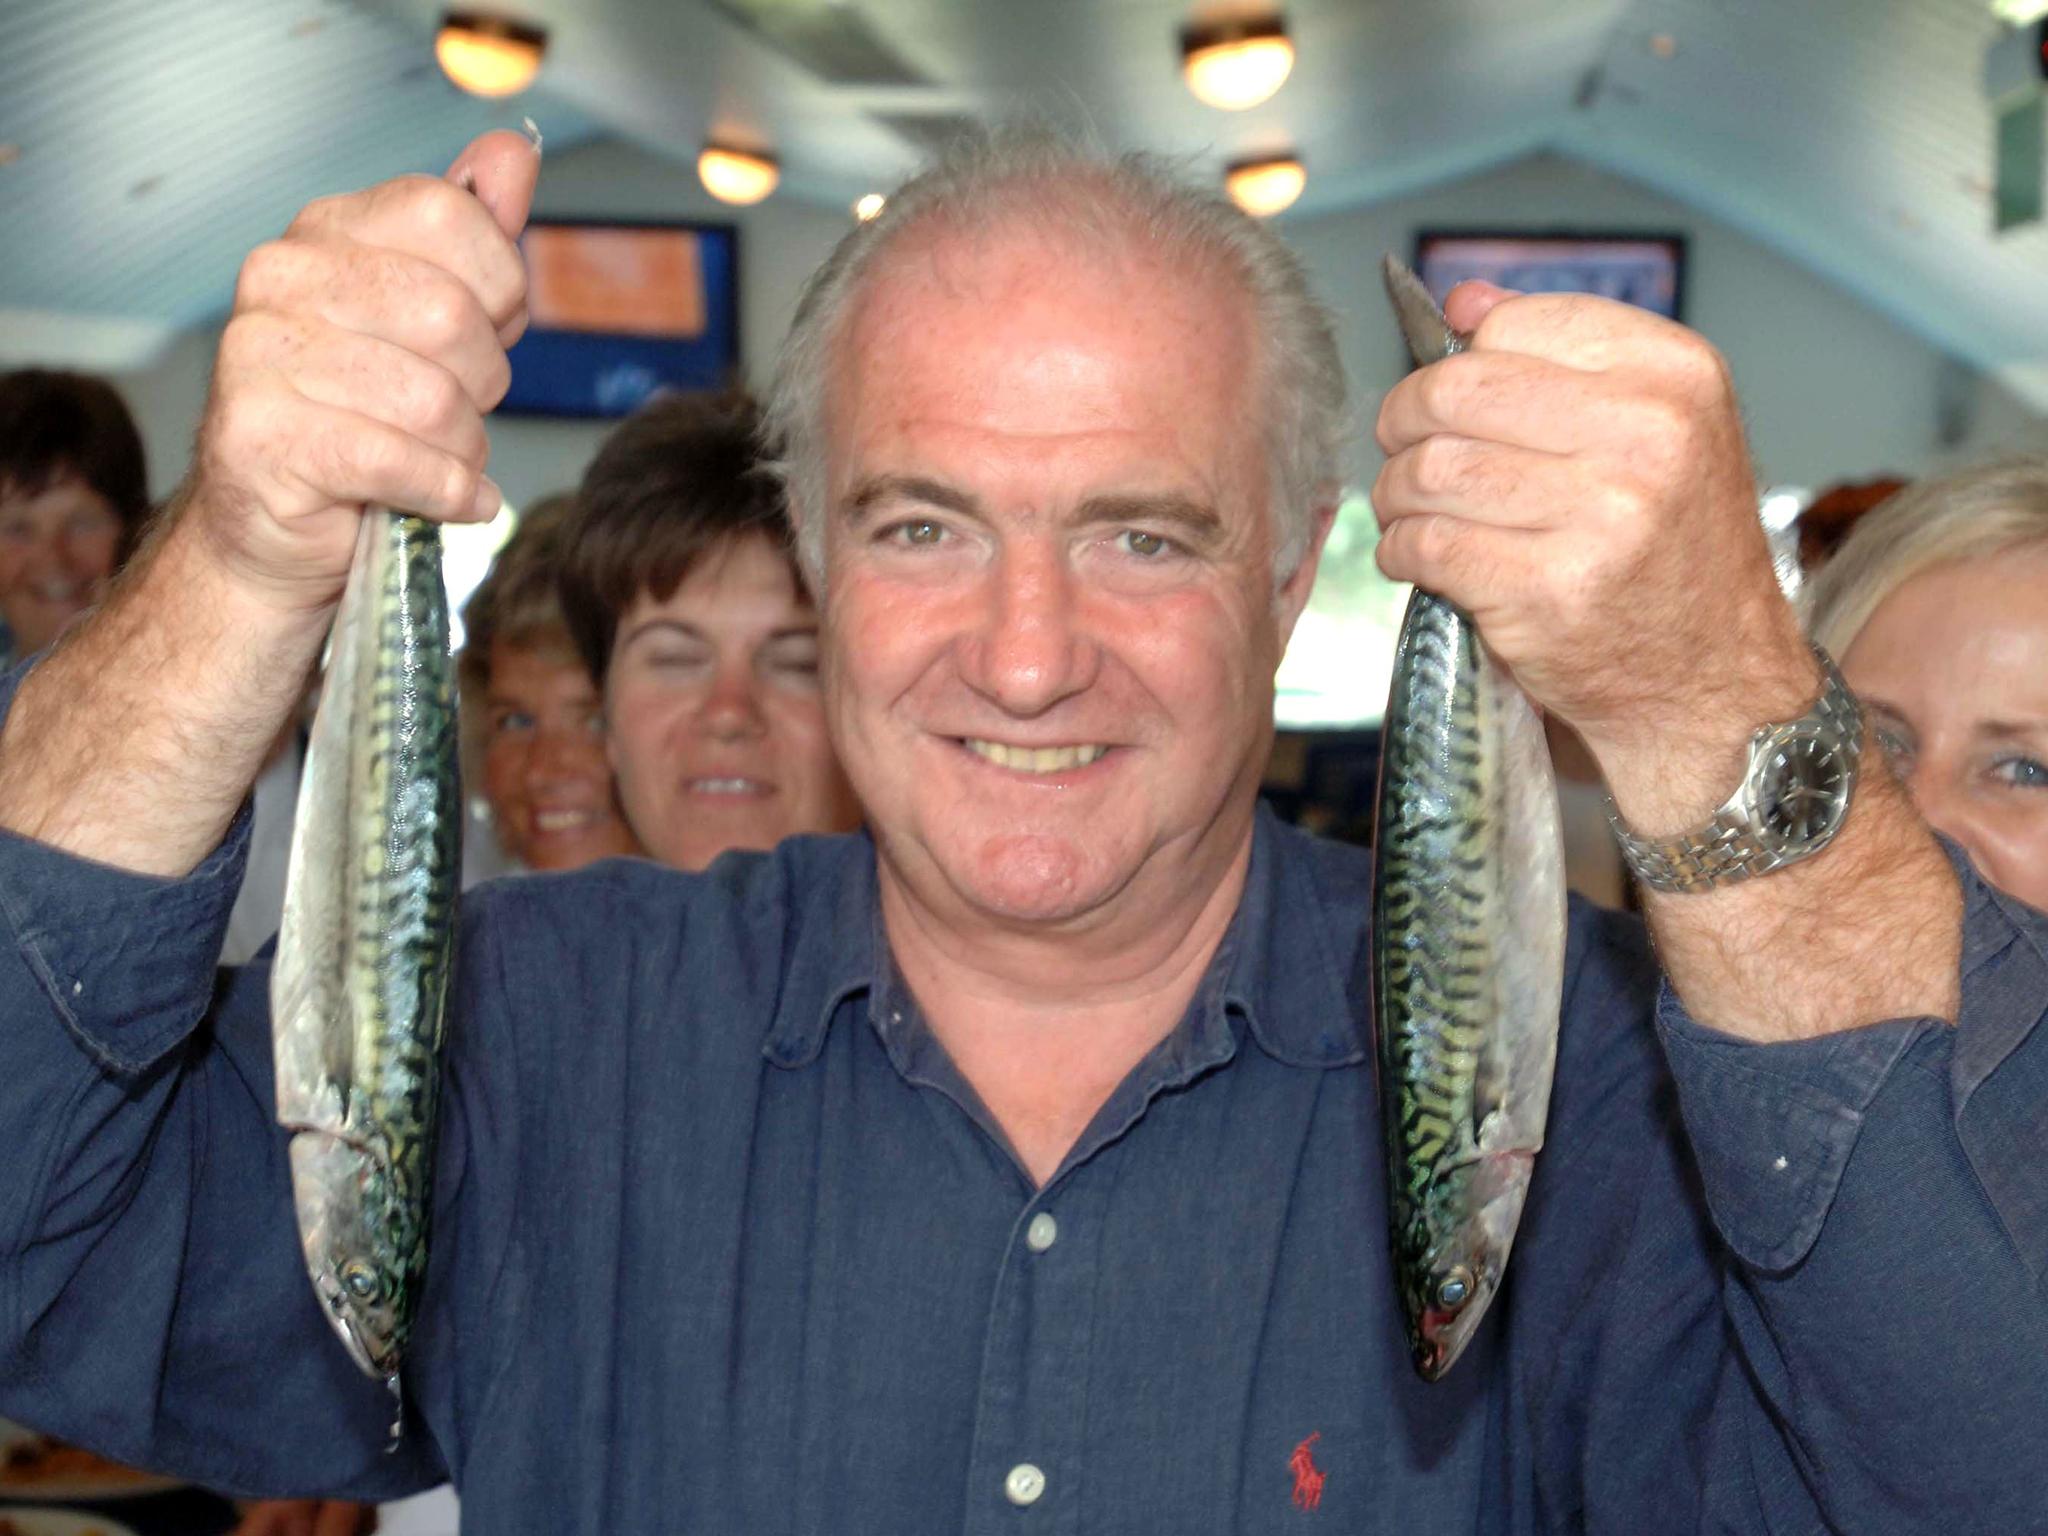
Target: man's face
column 717, row 731
column 57, row 549
column 1051, row 629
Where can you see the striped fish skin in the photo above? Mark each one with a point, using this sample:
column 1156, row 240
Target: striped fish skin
column 359, row 988
column 1468, row 951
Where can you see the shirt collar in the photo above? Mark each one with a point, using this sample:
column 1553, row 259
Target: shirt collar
column 1300, row 961
column 830, row 942
column 1282, row 967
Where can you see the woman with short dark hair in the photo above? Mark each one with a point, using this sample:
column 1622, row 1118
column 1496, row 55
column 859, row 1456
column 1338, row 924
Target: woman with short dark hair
column 74, row 494
column 683, row 594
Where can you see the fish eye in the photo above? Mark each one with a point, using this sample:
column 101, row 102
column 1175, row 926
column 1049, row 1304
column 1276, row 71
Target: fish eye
column 359, row 1279
column 1454, row 1289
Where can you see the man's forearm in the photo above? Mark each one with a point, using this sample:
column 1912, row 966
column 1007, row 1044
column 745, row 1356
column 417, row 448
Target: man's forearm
column 136, row 740
column 1869, row 928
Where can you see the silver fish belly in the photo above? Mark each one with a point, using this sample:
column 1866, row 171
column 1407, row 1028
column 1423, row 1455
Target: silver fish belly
column 359, row 986
column 1468, row 949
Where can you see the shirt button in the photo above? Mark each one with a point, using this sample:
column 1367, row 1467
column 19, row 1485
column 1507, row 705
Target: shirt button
column 1024, row 1485
column 1042, row 1233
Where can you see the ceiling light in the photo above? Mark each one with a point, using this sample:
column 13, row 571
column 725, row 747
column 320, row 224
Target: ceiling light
column 1664, row 45
column 489, row 55
column 737, row 175
column 1262, row 187
column 9, row 153
column 867, row 207
column 1234, row 65
column 2019, row 12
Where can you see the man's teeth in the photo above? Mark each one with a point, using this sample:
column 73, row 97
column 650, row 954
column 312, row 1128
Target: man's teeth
column 1035, row 759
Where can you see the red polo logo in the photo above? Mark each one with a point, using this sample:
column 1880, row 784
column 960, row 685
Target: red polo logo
column 1308, row 1482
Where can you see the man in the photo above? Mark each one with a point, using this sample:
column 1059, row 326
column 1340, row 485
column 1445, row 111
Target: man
column 1019, row 1168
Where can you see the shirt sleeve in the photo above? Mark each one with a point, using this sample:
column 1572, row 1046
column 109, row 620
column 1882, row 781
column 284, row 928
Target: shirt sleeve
column 153, row 1301
column 1883, row 1199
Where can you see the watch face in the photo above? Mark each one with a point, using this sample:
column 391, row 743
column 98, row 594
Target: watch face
column 1803, row 790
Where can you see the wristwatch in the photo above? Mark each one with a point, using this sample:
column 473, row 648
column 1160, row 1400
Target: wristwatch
column 1793, row 798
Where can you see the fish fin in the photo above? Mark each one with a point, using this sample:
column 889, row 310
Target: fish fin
column 1423, row 326
column 312, row 1033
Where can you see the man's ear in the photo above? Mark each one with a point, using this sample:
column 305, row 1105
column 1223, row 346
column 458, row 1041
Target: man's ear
column 1293, row 592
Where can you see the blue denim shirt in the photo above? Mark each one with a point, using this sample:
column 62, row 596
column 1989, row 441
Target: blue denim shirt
column 725, row 1243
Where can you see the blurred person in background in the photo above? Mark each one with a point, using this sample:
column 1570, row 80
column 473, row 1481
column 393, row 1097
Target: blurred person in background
column 532, row 720
column 74, row 493
column 681, row 588
column 1937, row 603
column 74, row 496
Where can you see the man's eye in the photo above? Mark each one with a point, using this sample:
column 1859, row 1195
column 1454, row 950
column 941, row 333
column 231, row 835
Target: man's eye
column 920, row 532
column 2024, row 772
column 511, row 722
column 1146, row 545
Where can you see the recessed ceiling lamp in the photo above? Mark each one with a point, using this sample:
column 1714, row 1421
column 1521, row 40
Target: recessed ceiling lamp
column 9, row 153
column 1236, row 64
column 489, row 55
column 737, row 175
column 1263, row 187
column 2019, row 12
column 867, row 207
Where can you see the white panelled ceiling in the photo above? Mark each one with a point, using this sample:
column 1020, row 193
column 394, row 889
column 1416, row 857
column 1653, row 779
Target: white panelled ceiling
column 157, row 140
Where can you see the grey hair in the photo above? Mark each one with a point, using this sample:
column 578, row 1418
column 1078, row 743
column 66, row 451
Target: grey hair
column 1961, row 516
column 1046, row 180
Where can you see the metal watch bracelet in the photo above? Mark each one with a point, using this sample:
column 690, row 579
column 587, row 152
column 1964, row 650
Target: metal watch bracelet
column 1734, row 846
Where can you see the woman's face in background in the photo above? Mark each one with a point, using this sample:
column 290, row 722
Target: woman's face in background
column 716, row 723
column 57, row 549
column 1952, row 668
column 545, row 771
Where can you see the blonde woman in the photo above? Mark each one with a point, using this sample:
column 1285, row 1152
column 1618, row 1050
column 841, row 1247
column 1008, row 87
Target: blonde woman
column 1937, row 608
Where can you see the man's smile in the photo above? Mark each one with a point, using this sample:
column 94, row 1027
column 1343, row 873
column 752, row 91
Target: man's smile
column 1027, row 759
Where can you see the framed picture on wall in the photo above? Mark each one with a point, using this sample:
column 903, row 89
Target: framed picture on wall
column 1647, row 270
column 620, row 312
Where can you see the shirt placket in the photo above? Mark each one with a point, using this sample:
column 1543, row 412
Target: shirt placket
column 1027, row 1467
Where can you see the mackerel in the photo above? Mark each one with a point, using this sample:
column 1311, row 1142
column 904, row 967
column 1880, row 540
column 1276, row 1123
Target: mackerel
column 1468, row 946
column 359, row 987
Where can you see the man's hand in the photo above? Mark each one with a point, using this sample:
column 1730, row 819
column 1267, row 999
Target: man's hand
column 1578, row 482
column 366, row 346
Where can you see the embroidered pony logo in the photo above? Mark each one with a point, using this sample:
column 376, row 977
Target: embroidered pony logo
column 1308, row 1482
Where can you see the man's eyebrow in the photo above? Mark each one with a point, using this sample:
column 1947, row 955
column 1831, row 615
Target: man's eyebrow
column 1197, row 523
column 876, row 489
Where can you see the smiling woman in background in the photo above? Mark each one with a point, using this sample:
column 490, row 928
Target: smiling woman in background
column 681, row 589
column 73, row 496
column 1937, row 605
column 533, row 725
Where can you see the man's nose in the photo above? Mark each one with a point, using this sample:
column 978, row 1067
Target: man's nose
column 1030, row 647
column 731, row 710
